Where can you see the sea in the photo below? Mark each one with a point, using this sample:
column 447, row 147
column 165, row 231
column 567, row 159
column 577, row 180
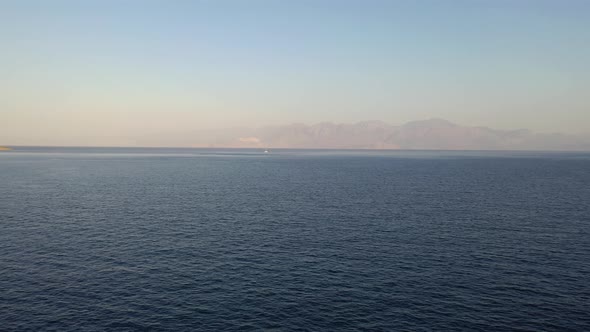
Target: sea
column 146, row 239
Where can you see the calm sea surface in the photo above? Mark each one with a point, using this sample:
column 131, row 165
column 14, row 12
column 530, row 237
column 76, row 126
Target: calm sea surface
column 214, row 240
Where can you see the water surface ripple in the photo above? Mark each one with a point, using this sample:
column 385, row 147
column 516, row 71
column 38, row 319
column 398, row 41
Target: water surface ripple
column 300, row 241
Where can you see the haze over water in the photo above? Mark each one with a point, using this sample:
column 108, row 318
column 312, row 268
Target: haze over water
column 185, row 239
column 119, row 73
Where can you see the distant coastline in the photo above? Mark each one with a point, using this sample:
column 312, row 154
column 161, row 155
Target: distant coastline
column 430, row 134
column 4, row 148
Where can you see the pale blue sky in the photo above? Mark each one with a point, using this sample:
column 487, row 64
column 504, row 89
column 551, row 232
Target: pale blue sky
column 105, row 70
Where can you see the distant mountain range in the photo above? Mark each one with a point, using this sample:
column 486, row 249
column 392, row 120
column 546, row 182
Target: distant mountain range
column 433, row 134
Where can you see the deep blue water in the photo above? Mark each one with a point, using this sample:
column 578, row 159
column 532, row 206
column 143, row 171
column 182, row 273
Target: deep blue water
column 212, row 240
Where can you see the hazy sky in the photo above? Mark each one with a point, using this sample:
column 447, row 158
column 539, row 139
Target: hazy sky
column 100, row 72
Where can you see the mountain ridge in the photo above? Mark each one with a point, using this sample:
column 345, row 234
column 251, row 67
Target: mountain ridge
column 429, row 134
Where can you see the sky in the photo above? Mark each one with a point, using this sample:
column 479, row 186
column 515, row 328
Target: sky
column 105, row 72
